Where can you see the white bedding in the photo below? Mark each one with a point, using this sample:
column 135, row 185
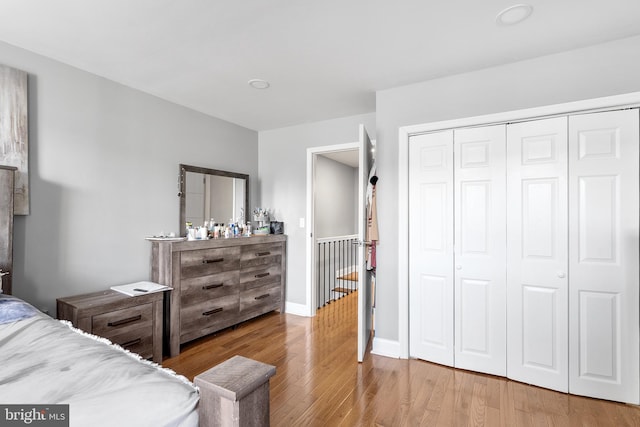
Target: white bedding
column 45, row 361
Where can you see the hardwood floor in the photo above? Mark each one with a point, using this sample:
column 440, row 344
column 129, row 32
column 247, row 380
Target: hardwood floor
column 319, row 383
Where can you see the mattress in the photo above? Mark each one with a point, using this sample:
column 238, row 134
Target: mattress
column 46, row 361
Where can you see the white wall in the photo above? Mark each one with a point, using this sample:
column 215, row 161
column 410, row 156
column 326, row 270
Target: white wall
column 103, row 171
column 602, row 70
column 336, row 198
column 283, row 176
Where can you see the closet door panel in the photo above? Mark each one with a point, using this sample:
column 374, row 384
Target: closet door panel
column 431, row 247
column 537, row 295
column 475, row 306
column 597, row 218
column 538, row 323
column 539, row 212
column 435, row 326
column 604, row 297
column 480, row 243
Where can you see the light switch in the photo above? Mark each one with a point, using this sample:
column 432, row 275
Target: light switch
column 301, row 222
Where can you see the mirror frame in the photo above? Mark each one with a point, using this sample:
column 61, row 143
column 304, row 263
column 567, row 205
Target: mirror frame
column 182, row 169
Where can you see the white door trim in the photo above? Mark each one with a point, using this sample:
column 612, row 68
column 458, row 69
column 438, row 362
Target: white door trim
column 310, row 302
column 404, row 134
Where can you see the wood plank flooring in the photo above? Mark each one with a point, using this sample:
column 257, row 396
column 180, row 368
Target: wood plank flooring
column 318, row 381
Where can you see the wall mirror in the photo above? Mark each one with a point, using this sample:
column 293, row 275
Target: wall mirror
column 209, row 193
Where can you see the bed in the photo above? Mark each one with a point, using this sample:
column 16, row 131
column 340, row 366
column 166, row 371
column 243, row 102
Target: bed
column 46, row 361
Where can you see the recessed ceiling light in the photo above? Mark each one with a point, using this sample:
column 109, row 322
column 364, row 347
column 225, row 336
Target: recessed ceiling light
column 514, row 14
column 259, row 84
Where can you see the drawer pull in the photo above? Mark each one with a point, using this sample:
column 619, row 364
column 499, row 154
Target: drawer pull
column 211, row 261
column 258, row 276
column 215, row 285
column 214, row 311
column 132, row 342
column 125, row 321
column 263, row 253
column 262, row 296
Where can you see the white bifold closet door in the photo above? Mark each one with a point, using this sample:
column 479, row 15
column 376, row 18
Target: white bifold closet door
column 604, row 299
column 551, row 256
column 537, row 266
column 480, row 249
column 462, row 303
column 431, row 247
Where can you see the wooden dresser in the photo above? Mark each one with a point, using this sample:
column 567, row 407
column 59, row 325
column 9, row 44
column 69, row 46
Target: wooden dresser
column 133, row 322
column 218, row 283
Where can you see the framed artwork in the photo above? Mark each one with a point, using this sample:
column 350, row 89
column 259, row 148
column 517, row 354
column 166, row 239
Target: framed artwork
column 14, row 132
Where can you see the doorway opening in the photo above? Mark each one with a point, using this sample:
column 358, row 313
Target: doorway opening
column 364, row 149
column 333, row 226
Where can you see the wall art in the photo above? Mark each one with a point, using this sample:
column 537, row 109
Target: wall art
column 14, row 132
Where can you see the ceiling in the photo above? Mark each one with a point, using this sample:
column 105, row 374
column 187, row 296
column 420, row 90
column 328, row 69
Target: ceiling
column 324, row 59
column 348, row 157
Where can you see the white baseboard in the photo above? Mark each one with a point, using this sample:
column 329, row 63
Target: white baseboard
column 297, row 309
column 384, row 347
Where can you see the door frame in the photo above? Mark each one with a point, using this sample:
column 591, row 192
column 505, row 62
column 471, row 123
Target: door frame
column 312, row 152
column 630, row 100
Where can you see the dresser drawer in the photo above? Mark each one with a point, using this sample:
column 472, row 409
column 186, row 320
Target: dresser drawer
column 260, row 276
column 199, row 289
column 261, row 299
column 262, row 254
column 208, row 261
column 208, row 316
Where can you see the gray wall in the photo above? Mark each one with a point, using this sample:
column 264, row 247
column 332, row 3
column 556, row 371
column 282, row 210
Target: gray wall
column 336, row 198
column 103, row 172
column 283, row 176
column 602, row 70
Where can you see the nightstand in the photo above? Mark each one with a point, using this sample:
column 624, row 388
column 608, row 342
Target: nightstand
column 135, row 323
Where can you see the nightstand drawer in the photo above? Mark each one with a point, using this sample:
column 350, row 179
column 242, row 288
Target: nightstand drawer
column 138, row 340
column 117, row 323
